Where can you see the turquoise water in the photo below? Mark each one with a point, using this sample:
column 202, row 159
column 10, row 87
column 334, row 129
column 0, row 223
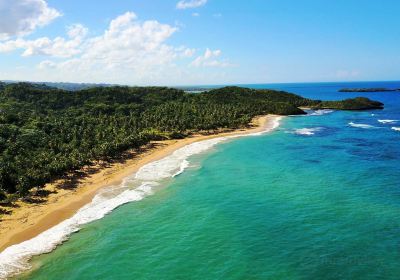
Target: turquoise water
column 316, row 199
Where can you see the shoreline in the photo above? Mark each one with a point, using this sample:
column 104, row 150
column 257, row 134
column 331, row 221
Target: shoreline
column 29, row 220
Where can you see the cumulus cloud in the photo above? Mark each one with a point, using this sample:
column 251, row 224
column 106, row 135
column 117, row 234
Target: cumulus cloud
column 127, row 44
column 190, row 4
column 128, row 51
column 186, row 52
column 77, row 31
column 21, row 17
column 210, row 59
column 46, row 64
column 58, row 47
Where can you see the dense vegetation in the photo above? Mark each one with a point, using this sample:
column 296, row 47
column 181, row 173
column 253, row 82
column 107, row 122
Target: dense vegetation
column 47, row 132
column 64, row 86
column 358, row 103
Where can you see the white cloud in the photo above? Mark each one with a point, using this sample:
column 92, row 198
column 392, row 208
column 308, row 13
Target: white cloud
column 185, row 52
column 195, row 14
column 58, row 47
column 130, row 44
column 77, row 31
column 190, row 4
column 210, row 59
column 129, row 51
column 47, row 64
column 21, row 17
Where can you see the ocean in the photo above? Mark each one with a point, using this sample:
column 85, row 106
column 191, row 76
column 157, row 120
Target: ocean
column 317, row 198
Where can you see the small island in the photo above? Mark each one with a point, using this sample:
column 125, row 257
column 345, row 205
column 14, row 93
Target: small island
column 354, row 104
column 368, row 90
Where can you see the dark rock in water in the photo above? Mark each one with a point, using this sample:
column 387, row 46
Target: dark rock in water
column 367, row 90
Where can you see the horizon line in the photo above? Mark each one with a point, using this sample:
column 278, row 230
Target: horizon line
column 198, row 85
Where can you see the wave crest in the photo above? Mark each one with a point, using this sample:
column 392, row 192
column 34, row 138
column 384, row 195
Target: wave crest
column 321, row 112
column 361, row 125
column 388, row 121
column 307, row 131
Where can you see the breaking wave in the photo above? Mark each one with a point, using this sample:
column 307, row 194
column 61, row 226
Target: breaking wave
column 388, row 121
column 361, row 125
column 321, row 112
column 307, row 131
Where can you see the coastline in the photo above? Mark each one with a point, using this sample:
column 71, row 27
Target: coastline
column 30, row 220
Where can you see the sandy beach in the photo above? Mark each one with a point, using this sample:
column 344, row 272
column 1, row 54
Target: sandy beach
column 30, row 219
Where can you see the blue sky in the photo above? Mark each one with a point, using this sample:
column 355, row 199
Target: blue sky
column 172, row 42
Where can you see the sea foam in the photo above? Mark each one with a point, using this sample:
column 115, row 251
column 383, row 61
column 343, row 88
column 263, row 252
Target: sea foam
column 307, row 131
column 396, row 128
column 321, row 112
column 388, row 121
column 275, row 125
column 15, row 259
column 361, row 125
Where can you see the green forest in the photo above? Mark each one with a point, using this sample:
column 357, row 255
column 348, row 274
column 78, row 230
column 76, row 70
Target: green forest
column 46, row 132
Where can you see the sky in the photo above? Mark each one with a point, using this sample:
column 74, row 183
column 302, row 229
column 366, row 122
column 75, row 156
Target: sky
column 199, row 42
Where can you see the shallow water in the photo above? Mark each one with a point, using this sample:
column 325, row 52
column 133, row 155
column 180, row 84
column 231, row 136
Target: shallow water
column 319, row 198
